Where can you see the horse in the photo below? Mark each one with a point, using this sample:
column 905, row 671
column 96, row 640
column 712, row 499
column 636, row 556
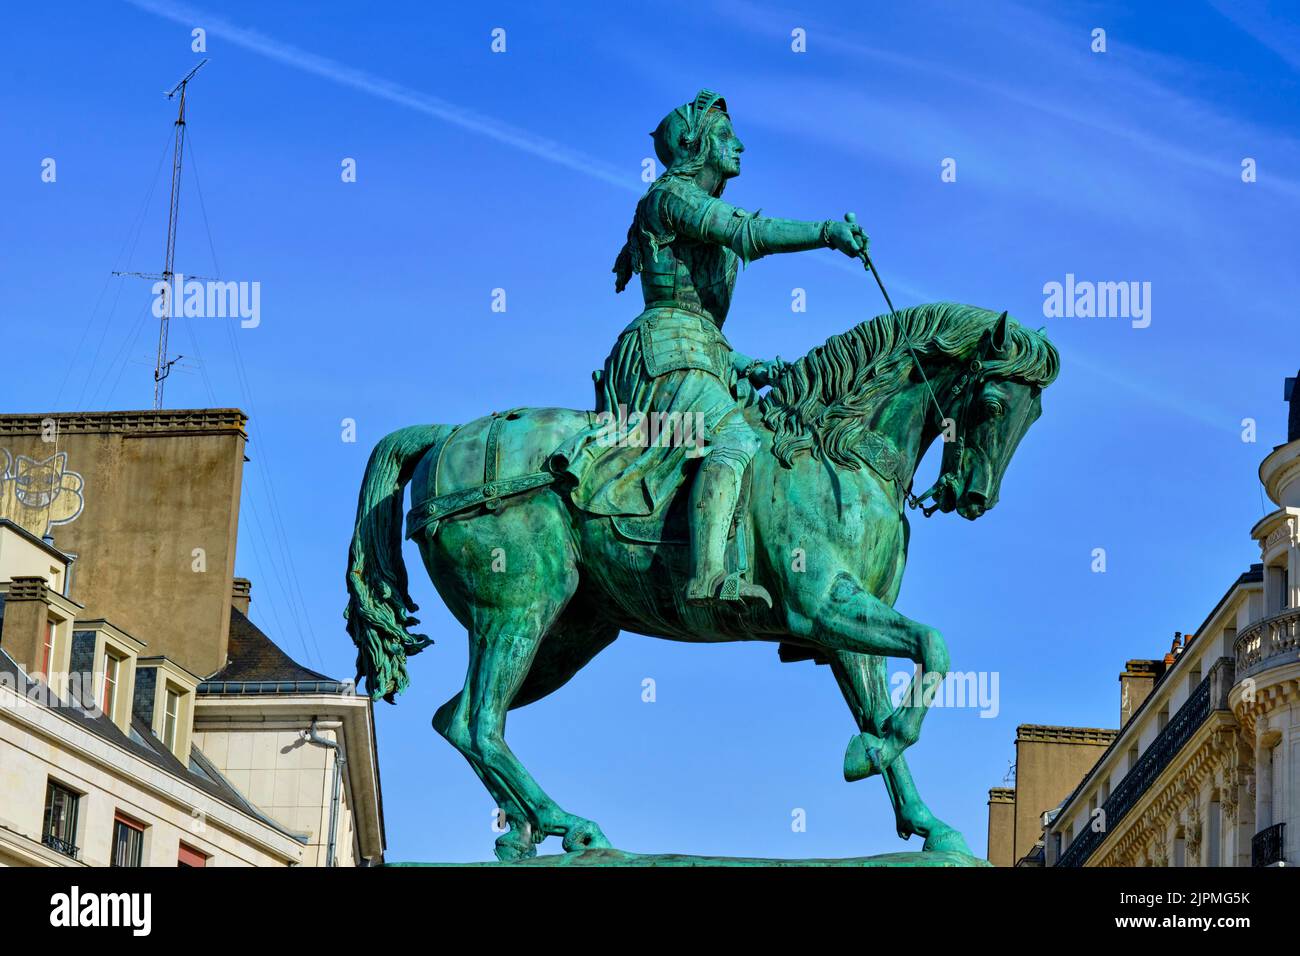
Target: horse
column 542, row 586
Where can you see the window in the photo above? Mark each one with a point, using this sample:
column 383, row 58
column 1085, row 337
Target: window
column 128, row 841
column 191, row 857
column 59, row 830
column 49, row 648
column 112, row 667
column 170, row 718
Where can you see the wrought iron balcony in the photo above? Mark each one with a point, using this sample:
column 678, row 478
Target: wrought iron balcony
column 1265, row 642
column 1150, row 765
column 1266, row 846
column 60, row 846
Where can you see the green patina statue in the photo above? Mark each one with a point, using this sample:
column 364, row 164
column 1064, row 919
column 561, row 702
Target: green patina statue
column 685, row 243
column 684, row 506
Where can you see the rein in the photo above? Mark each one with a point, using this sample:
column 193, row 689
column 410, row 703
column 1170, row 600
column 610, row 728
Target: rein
column 973, row 377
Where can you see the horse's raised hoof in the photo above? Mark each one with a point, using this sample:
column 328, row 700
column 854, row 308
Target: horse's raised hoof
column 515, row 845
column 585, row 836
column 944, row 839
column 862, row 759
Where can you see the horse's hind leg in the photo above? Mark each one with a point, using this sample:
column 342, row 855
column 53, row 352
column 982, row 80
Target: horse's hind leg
column 863, row 682
column 520, row 839
column 502, row 651
column 508, row 576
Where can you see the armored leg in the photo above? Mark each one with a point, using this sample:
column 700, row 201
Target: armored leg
column 713, row 509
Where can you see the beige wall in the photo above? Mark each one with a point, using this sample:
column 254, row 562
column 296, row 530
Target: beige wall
column 282, row 775
column 37, row 744
column 286, row 777
column 1002, row 826
column 22, row 558
column 1050, row 763
column 133, row 495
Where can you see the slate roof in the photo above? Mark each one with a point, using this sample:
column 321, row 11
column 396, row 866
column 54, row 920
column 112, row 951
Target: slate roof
column 142, row 743
column 252, row 656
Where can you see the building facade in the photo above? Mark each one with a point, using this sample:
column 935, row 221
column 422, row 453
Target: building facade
column 1205, row 768
column 144, row 719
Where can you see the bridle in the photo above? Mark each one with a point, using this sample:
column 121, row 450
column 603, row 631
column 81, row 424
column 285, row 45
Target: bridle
column 962, row 391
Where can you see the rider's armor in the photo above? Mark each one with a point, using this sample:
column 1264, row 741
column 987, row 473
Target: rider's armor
column 687, row 245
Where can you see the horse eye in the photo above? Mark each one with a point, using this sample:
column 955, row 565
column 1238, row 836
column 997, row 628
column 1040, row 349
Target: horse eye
column 994, row 407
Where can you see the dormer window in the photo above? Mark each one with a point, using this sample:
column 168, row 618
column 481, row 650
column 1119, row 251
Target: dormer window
column 164, row 700
column 102, row 660
column 171, row 718
column 47, row 658
column 108, row 701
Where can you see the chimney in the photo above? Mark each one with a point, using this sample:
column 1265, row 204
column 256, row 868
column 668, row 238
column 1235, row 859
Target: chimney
column 1175, row 649
column 26, row 610
column 241, row 595
column 1291, row 394
column 1135, row 686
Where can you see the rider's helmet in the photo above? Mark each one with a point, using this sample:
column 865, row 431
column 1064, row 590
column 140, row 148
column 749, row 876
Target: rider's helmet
column 677, row 138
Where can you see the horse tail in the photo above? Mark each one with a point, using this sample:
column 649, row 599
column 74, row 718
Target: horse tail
column 379, row 607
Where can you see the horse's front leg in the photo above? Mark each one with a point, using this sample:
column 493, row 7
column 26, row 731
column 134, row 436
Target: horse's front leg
column 863, row 682
column 847, row 617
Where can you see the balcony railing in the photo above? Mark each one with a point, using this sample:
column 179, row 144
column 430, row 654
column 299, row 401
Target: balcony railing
column 60, row 846
column 1150, row 765
column 1266, row 846
column 1273, row 637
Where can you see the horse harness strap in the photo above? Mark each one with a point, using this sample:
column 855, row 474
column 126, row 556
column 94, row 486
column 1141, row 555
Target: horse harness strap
column 962, row 390
column 489, row 494
column 491, row 454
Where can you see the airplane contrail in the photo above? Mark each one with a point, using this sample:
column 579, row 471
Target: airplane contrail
column 425, row 103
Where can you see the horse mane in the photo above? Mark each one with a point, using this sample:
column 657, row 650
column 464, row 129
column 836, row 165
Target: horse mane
column 823, row 402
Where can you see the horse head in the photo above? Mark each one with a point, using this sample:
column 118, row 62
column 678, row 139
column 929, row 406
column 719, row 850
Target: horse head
column 969, row 374
column 998, row 403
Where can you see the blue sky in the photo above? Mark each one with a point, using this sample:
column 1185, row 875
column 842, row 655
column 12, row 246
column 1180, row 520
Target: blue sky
column 519, row 170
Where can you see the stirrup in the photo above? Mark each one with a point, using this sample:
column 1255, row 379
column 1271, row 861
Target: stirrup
column 734, row 588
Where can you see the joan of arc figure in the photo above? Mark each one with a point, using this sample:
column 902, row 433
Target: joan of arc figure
column 686, row 244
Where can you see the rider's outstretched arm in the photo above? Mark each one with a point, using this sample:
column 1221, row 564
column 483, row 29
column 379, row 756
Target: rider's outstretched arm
column 750, row 235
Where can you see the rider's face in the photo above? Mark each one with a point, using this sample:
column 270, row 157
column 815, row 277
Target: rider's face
column 727, row 148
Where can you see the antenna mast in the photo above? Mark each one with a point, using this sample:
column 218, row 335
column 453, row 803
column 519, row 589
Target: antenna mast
column 163, row 366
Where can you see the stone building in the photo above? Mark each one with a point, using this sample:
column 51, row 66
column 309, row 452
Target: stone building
column 1205, row 768
column 144, row 719
column 1049, row 761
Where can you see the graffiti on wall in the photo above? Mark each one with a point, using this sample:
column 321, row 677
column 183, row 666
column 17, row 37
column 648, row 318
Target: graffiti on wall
column 37, row 495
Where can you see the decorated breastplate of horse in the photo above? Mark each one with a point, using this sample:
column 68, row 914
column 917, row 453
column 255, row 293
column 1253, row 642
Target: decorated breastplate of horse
column 884, row 458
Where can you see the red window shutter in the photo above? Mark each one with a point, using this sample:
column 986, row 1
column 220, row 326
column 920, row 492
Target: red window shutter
column 191, row 857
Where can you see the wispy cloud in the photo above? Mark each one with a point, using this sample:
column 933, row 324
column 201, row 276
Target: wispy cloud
column 365, row 82
column 1081, row 97
column 1151, row 391
column 1275, row 33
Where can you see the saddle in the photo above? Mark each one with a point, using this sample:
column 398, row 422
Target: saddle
column 483, row 464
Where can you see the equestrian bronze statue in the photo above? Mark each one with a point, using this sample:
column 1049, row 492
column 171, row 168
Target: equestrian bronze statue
column 691, row 505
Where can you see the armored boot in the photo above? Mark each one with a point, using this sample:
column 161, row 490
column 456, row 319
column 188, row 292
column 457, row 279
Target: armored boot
column 713, row 507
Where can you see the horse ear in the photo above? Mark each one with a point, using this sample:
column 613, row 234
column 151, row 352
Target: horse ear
column 1000, row 334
